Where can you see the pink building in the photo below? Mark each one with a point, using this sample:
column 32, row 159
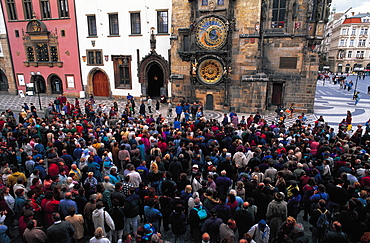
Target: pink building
column 44, row 47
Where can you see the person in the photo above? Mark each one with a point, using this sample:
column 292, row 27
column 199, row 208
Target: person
column 177, row 221
column 150, row 104
column 335, row 236
column 227, row 230
column 357, row 97
column 291, row 110
column 196, row 219
column 132, row 211
column 66, row 204
column 318, row 231
column 153, row 215
column 60, row 231
column 212, row 226
column 99, row 236
column 103, row 220
column 260, row 232
column 77, row 222
column 244, row 219
column 33, row 233
column 277, row 213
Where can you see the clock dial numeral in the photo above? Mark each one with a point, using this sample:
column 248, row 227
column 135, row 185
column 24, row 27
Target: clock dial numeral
column 210, row 71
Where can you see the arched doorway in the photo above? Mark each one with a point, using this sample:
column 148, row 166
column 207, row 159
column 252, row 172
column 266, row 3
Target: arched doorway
column 348, row 67
column 209, row 102
column 56, row 85
column 100, row 84
column 39, row 81
column 3, row 82
column 155, row 80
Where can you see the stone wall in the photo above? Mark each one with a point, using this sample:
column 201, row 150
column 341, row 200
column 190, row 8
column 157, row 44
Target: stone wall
column 6, row 65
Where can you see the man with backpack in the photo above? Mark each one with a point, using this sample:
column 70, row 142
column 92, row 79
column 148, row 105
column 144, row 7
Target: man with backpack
column 320, row 221
column 197, row 217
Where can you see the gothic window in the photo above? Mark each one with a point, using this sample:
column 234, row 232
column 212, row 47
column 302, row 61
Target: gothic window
column 122, row 71
column 42, row 54
column 113, row 24
column 53, row 53
column 94, row 57
column 12, row 13
column 278, row 14
column 135, row 23
column 27, row 9
column 91, row 25
column 30, row 54
column 63, row 8
column 162, row 21
column 45, row 9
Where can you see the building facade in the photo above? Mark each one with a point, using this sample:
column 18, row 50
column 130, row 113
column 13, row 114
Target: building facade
column 350, row 48
column 124, row 48
column 7, row 82
column 44, row 47
column 246, row 55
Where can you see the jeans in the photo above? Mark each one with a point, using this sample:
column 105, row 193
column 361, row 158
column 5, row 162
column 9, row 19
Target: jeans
column 132, row 222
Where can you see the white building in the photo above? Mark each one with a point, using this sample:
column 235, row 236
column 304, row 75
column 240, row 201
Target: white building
column 350, row 44
column 124, row 46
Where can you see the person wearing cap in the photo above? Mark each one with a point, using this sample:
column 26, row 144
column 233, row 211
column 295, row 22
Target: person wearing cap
column 211, row 226
column 260, row 232
column 244, row 219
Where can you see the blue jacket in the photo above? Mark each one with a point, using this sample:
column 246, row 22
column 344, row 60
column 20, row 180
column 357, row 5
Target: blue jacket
column 178, row 109
column 65, row 204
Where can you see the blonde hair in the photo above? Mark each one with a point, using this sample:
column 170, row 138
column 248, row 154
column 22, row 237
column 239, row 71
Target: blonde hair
column 154, row 167
column 188, row 189
column 99, row 233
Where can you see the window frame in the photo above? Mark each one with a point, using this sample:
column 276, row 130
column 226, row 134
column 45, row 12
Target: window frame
column 137, row 14
column 119, row 62
column 349, row 54
column 354, row 30
column 91, row 28
column 27, row 9
column 63, row 9
column 110, row 15
column 42, row 6
column 94, row 52
column 11, row 10
column 278, row 21
column 162, row 26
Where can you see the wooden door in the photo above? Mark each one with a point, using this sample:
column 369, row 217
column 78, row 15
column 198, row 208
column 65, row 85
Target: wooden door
column 277, row 92
column 209, row 102
column 100, row 84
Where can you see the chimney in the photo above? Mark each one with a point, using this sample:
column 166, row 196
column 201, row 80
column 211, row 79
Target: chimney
column 353, row 14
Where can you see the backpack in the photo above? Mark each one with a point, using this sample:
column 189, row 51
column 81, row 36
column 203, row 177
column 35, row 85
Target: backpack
column 202, row 213
column 322, row 221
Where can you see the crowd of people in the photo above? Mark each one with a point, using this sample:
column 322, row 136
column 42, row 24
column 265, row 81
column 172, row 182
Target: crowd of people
column 110, row 174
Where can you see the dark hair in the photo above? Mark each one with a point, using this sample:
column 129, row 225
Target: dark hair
column 72, row 211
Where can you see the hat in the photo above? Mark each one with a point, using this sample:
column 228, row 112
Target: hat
column 279, row 196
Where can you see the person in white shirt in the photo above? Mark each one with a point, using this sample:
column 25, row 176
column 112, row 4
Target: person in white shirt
column 135, row 177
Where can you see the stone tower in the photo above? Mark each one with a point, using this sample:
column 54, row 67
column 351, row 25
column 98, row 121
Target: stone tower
column 246, row 55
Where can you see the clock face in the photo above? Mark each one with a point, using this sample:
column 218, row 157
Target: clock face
column 210, row 71
column 211, row 33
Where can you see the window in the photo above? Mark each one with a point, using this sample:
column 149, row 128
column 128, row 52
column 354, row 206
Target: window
column 362, row 31
column 204, row 2
column 63, row 33
column 27, row 9
column 349, row 54
column 42, row 52
column 186, row 43
column 12, row 14
column 162, row 21
column 220, row 2
column 344, row 31
column 63, row 8
column 360, row 54
column 94, row 57
column 135, row 23
column 122, row 71
column 366, row 31
column 278, row 14
column 352, row 42
column 91, row 25
column 366, row 20
column 361, row 42
column 341, row 54
column 113, row 24
column 45, row 9
column 16, row 33
column 1, row 50
column 288, row 62
column 343, row 42
column 354, row 31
